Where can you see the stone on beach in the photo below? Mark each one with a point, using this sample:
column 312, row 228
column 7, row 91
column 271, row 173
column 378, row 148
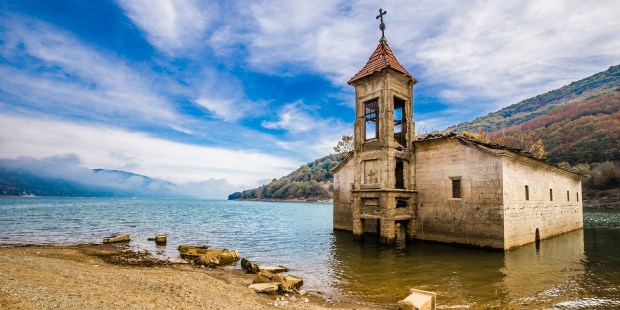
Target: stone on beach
column 249, row 266
column 176, row 260
column 270, row 287
column 121, row 238
column 291, row 283
column 208, row 257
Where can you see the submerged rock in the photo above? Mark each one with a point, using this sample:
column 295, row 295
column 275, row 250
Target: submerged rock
column 160, row 239
column 273, row 269
column 121, row 238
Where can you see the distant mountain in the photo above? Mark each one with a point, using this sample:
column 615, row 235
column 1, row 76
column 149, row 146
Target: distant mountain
column 578, row 123
column 311, row 181
column 59, row 176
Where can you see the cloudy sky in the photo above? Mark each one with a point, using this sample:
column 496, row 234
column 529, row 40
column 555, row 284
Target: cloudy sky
column 226, row 95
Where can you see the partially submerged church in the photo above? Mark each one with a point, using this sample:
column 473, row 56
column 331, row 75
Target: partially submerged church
column 445, row 187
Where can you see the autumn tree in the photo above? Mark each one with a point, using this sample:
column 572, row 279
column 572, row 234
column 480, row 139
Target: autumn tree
column 344, row 146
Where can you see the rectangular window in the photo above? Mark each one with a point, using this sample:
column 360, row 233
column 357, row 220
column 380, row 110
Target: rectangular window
column 527, row 192
column 550, row 195
column 400, row 203
column 456, row 188
column 400, row 131
column 577, row 196
column 399, row 174
column 567, row 196
column 371, row 116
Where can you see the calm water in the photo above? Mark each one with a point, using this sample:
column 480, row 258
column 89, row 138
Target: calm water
column 580, row 270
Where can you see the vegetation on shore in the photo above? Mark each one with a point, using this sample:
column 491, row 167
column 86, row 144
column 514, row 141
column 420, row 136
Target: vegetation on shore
column 311, row 181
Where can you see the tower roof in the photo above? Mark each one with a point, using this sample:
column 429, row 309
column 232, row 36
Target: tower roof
column 382, row 58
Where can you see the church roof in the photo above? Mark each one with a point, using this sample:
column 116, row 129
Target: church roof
column 382, row 58
column 493, row 146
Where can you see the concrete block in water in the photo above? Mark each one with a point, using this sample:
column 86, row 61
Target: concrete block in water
column 419, row 300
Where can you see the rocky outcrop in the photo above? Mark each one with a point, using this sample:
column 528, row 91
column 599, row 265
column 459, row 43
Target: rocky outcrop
column 202, row 255
column 121, row 238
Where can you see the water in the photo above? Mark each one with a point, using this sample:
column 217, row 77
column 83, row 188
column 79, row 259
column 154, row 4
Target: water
column 579, row 270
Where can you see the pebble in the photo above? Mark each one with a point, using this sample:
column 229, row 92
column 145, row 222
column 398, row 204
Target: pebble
column 303, row 292
column 293, row 299
column 306, row 300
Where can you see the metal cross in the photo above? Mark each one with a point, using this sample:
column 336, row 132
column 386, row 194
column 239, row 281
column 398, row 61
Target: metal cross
column 382, row 25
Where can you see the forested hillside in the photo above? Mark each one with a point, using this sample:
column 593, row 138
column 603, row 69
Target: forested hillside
column 578, row 123
column 311, row 181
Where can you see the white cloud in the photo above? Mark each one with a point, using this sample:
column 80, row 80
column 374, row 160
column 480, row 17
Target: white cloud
column 171, row 25
column 295, row 117
column 112, row 148
column 65, row 76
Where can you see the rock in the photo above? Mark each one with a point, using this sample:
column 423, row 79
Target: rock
column 263, row 277
column 306, row 300
column 143, row 252
column 291, row 283
column 293, row 299
column 214, row 257
column 192, row 251
column 121, row 238
column 150, row 239
column 160, row 239
column 418, row 300
column 273, row 269
column 249, row 266
column 270, row 287
column 302, row 292
column 176, row 260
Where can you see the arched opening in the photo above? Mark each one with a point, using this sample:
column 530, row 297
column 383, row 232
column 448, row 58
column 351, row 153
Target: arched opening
column 537, row 240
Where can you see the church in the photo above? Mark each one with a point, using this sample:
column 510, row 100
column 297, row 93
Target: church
column 444, row 187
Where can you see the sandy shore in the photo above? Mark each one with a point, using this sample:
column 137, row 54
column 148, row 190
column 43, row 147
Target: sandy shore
column 102, row 277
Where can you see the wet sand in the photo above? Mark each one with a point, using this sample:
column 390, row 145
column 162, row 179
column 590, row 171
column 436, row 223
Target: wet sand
column 104, row 277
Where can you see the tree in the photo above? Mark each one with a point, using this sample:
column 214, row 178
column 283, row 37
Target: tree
column 344, row 146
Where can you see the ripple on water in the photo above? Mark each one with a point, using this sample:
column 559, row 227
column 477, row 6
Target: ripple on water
column 576, row 270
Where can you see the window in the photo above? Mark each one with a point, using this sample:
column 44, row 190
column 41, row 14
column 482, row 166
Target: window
column 399, row 175
column 577, row 196
column 371, row 116
column 400, row 131
column 456, row 188
column 401, row 203
column 527, row 192
column 567, row 196
column 550, row 194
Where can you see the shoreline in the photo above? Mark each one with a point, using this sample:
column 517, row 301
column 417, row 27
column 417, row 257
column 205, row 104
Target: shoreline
column 104, row 276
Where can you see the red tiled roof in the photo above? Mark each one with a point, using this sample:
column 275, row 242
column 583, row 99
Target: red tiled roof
column 382, row 58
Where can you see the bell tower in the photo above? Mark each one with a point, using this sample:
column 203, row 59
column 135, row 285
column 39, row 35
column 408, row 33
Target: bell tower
column 384, row 194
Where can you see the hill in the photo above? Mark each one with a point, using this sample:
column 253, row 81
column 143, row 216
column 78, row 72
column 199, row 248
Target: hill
column 578, row 123
column 59, row 176
column 311, row 181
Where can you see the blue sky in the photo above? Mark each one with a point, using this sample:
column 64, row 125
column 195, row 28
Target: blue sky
column 219, row 96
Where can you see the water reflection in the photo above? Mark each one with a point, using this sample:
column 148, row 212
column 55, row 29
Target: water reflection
column 525, row 276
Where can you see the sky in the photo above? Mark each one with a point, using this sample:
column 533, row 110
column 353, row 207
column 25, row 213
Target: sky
column 220, row 96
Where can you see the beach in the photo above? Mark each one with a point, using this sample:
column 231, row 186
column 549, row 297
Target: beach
column 101, row 277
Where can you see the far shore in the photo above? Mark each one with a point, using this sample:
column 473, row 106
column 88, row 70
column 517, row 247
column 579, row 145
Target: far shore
column 95, row 276
column 287, row 200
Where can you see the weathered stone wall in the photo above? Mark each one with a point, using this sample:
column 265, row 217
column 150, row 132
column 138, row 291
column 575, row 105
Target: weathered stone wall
column 522, row 217
column 477, row 217
column 343, row 181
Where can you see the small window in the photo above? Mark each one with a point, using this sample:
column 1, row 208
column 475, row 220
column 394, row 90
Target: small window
column 399, row 174
column 577, row 196
column 400, row 203
column 400, row 131
column 456, row 188
column 371, row 116
column 567, row 196
column 527, row 192
column 550, row 194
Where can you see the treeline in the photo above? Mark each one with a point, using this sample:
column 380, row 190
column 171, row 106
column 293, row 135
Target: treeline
column 310, row 181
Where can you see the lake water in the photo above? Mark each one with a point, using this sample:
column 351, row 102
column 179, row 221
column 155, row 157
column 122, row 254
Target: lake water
column 579, row 270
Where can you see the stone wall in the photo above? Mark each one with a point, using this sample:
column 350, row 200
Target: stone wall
column 477, row 217
column 343, row 180
column 551, row 217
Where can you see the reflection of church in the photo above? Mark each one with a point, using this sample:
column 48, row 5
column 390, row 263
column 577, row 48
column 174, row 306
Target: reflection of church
column 447, row 187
